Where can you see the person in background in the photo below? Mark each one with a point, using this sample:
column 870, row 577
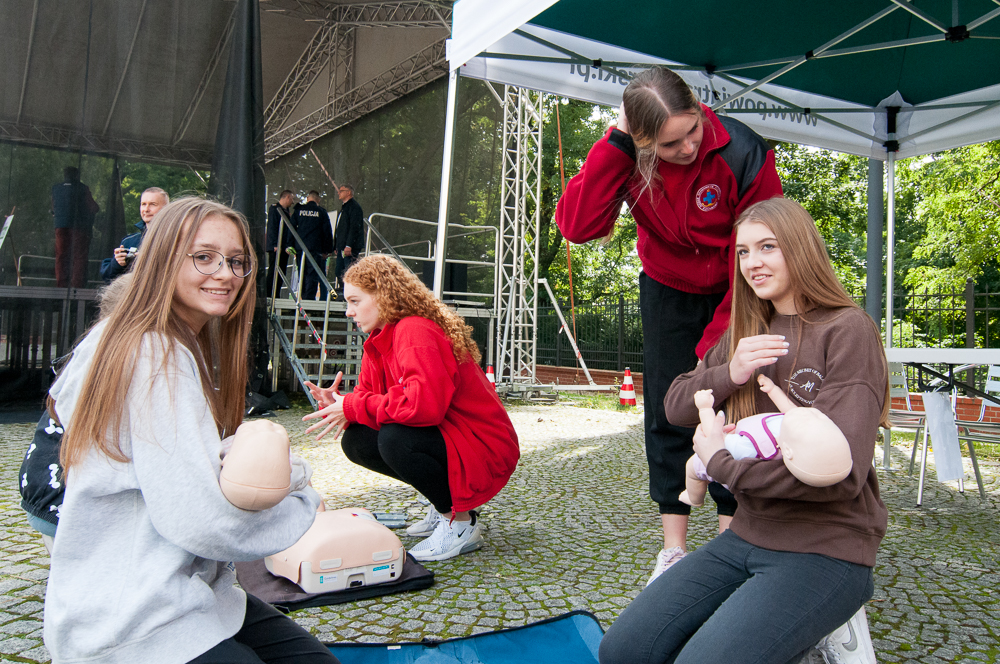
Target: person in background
column 73, row 210
column 348, row 242
column 423, row 411
column 686, row 174
column 152, row 201
column 282, row 209
column 312, row 223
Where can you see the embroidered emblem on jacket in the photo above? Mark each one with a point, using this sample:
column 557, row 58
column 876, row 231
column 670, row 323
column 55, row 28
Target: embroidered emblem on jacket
column 708, row 197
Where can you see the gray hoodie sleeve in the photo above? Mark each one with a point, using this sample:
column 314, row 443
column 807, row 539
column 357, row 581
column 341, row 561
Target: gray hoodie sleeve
column 176, row 455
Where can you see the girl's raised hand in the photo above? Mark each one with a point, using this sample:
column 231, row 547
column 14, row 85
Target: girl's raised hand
column 333, row 416
column 324, row 395
column 753, row 353
column 622, row 122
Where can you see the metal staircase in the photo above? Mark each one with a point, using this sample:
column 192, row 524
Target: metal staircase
column 311, row 338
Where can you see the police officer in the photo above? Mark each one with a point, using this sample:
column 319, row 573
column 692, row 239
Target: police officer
column 279, row 258
column 312, row 223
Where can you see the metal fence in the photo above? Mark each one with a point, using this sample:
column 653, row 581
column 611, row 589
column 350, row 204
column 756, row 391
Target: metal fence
column 609, row 331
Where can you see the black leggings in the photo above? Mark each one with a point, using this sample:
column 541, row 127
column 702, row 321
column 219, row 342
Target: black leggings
column 415, row 455
column 672, row 325
column 270, row 637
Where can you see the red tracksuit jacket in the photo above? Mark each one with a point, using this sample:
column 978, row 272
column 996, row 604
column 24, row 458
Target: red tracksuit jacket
column 685, row 228
column 409, row 376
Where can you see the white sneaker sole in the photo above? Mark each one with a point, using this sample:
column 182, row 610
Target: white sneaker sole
column 471, row 545
column 423, row 531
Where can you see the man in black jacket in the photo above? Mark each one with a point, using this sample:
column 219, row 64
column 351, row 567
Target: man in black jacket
column 312, row 223
column 278, row 256
column 349, row 241
column 152, row 201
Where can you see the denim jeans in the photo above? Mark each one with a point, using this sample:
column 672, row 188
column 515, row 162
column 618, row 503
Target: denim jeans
column 732, row 602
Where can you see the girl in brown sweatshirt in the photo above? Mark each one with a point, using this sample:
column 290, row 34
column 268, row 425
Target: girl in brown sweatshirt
column 797, row 560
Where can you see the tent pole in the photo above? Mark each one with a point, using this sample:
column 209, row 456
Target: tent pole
column 449, row 148
column 876, row 223
column 890, row 241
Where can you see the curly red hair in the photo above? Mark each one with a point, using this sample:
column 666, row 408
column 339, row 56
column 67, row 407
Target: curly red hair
column 398, row 293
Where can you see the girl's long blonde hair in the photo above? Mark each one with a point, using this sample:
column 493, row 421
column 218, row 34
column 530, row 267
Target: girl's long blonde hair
column 398, row 293
column 809, row 272
column 146, row 306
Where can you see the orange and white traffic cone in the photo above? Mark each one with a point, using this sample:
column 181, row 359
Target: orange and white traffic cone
column 627, row 394
column 489, row 375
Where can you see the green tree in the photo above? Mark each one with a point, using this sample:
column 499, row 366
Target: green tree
column 959, row 213
column 833, row 187
column 599, row 268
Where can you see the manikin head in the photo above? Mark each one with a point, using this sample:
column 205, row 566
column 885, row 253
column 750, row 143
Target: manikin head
column 813, row 448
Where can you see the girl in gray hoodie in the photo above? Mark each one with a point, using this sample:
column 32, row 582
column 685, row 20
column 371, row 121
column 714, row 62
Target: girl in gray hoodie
column 142, row 565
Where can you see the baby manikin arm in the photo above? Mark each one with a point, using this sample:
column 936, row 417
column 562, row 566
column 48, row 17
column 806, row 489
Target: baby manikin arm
column 695, row 475
column 779, row 398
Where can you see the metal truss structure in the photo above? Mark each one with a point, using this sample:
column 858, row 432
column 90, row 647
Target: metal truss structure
column 408, row 14
column 427, row 65
column 332, row 49
column 517, row 265
column 69, row 139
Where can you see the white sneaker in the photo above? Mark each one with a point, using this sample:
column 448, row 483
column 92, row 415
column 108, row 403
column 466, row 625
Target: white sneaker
column 813, row 656
column 851, row 643
column 450, row 539
column 666, row 559
column 425, row 526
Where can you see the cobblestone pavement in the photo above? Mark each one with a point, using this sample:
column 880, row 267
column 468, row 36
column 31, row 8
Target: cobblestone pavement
column 575, row 530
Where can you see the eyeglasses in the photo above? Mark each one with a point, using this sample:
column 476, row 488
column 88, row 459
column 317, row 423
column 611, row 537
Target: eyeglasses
column 209, row 262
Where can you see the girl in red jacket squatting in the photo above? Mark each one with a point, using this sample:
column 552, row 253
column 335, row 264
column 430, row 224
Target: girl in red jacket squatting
column 687, row 174
column 423, row 411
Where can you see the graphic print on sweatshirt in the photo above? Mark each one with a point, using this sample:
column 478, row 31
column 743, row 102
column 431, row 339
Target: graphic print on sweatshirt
column 805, row 384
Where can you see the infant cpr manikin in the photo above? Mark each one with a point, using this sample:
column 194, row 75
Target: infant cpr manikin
column 344, row 548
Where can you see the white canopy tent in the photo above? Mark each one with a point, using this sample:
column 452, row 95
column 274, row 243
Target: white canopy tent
column 930, row 92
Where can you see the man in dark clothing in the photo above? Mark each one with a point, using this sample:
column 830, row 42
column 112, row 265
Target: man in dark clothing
column 312, row 223
column 73, row 208
column 278, row 256
column 152, row 201
column 349, row 241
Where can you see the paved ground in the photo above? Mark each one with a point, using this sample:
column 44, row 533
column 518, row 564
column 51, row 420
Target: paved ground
column 575, row 530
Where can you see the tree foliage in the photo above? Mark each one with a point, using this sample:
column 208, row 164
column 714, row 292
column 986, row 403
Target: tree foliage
column 958, row 212
column 601, row 267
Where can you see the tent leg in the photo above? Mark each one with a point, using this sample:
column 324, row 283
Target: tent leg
column 890, row 240
column 876, row 223
column 449, row 148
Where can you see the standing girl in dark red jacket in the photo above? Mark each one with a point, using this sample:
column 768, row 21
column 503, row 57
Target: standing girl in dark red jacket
column 686, row 174
column 423, row 411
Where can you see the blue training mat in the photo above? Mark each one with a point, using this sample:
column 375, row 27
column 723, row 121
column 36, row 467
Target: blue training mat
column 571, row 638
